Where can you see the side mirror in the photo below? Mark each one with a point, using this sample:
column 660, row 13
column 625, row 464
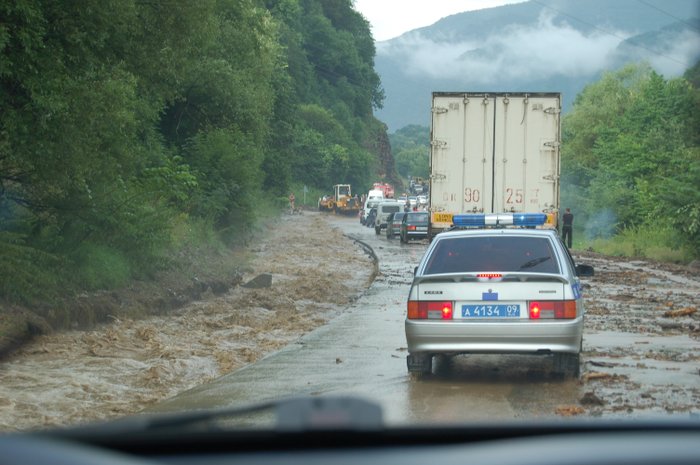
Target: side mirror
column 415, row 270
column 584, row 270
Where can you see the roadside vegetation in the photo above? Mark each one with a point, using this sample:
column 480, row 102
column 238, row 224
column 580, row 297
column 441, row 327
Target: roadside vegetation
column 631, row 164
column 134, row 135
column 411, row 149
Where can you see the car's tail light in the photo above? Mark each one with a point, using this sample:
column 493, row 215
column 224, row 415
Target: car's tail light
column 552, row 309
column 410, row 228
column 429, row 310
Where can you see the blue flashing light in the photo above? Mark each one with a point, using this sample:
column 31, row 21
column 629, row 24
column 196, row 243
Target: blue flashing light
column 499, row 219
column 529, row 219
column 471, row 220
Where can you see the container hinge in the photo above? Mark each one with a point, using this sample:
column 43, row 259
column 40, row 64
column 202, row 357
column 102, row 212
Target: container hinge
column 439, row 110
column 438, row 143
column 437, row 177
column 552, row 110
column 554, row 143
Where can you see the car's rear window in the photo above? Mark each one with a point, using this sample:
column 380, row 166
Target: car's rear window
column 391, row 208
column 417, row 218
column 398, row 216
column 500, row 253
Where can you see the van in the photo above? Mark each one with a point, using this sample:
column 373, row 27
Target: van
column 384, row 209
column 374, row 196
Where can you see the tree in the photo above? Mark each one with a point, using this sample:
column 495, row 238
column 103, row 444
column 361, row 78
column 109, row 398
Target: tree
column 631, row 148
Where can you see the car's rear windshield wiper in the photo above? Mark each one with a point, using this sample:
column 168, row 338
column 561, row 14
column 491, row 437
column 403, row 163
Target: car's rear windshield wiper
column 533, row 262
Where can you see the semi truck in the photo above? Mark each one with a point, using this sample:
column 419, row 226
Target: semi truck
column 494, row 153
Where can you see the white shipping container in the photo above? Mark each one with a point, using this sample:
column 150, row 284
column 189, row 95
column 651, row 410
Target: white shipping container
column 493, row 153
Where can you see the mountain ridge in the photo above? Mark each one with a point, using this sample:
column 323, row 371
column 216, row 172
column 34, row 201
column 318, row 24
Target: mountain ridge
column 534, row 46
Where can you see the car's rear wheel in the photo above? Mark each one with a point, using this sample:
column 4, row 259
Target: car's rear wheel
column 377, row 230
column 567, row 365
column 420, row 364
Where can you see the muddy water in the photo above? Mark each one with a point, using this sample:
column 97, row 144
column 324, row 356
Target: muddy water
column 126, row 366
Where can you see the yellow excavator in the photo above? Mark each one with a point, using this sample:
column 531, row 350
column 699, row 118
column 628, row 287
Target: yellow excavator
column 341, row 201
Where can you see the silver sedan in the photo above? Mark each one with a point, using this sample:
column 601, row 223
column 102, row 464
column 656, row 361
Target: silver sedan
column 497, row 291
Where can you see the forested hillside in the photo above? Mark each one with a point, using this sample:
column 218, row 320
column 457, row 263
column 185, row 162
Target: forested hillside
column 631, row 160
column 127, row 124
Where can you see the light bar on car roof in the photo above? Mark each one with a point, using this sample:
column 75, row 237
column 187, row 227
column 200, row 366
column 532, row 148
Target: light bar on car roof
column 499, row 219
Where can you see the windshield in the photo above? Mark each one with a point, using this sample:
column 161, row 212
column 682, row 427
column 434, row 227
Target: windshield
column 417, row 218
column 176, row 232
column 503, row 254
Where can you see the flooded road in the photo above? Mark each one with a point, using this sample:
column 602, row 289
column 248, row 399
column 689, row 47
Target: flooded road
column 631, row 364
column 326, row 327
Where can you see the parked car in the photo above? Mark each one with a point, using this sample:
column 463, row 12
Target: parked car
column 414, row 225
column 498, row 291
column 384, row 209
column 393, row 225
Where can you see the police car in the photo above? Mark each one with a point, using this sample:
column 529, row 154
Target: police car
column 496, row 284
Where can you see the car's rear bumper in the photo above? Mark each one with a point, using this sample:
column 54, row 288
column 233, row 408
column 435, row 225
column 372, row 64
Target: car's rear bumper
column 494, row 337
column 416, row 234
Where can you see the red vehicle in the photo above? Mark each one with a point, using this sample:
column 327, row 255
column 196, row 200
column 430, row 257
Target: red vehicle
column 388, row 189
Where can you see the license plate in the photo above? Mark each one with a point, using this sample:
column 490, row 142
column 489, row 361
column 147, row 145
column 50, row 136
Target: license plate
column 491, row 311
column 421, row 228
column 442, row 218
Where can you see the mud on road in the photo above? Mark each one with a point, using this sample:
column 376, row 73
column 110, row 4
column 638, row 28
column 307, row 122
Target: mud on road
column 121, row 368
column 641, row 339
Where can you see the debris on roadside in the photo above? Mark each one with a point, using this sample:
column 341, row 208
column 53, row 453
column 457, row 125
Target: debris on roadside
column 590, row 398
column 680, row 312
column 569, row 410
column 595, row 375
column 602, row 364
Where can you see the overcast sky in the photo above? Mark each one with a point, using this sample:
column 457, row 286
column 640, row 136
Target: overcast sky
column 391, row 18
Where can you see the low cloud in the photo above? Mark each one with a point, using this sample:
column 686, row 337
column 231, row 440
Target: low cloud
column 526, row 53
column 678, row 54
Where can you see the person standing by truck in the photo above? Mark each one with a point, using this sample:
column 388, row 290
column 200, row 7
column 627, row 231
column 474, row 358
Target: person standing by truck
column 567, row 227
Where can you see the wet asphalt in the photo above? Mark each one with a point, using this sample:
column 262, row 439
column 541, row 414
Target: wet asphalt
column 362, row 352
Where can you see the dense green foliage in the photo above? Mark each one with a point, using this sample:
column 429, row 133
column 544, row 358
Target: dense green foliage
column 122, row 119
column 631, row 156
column 411, row 148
